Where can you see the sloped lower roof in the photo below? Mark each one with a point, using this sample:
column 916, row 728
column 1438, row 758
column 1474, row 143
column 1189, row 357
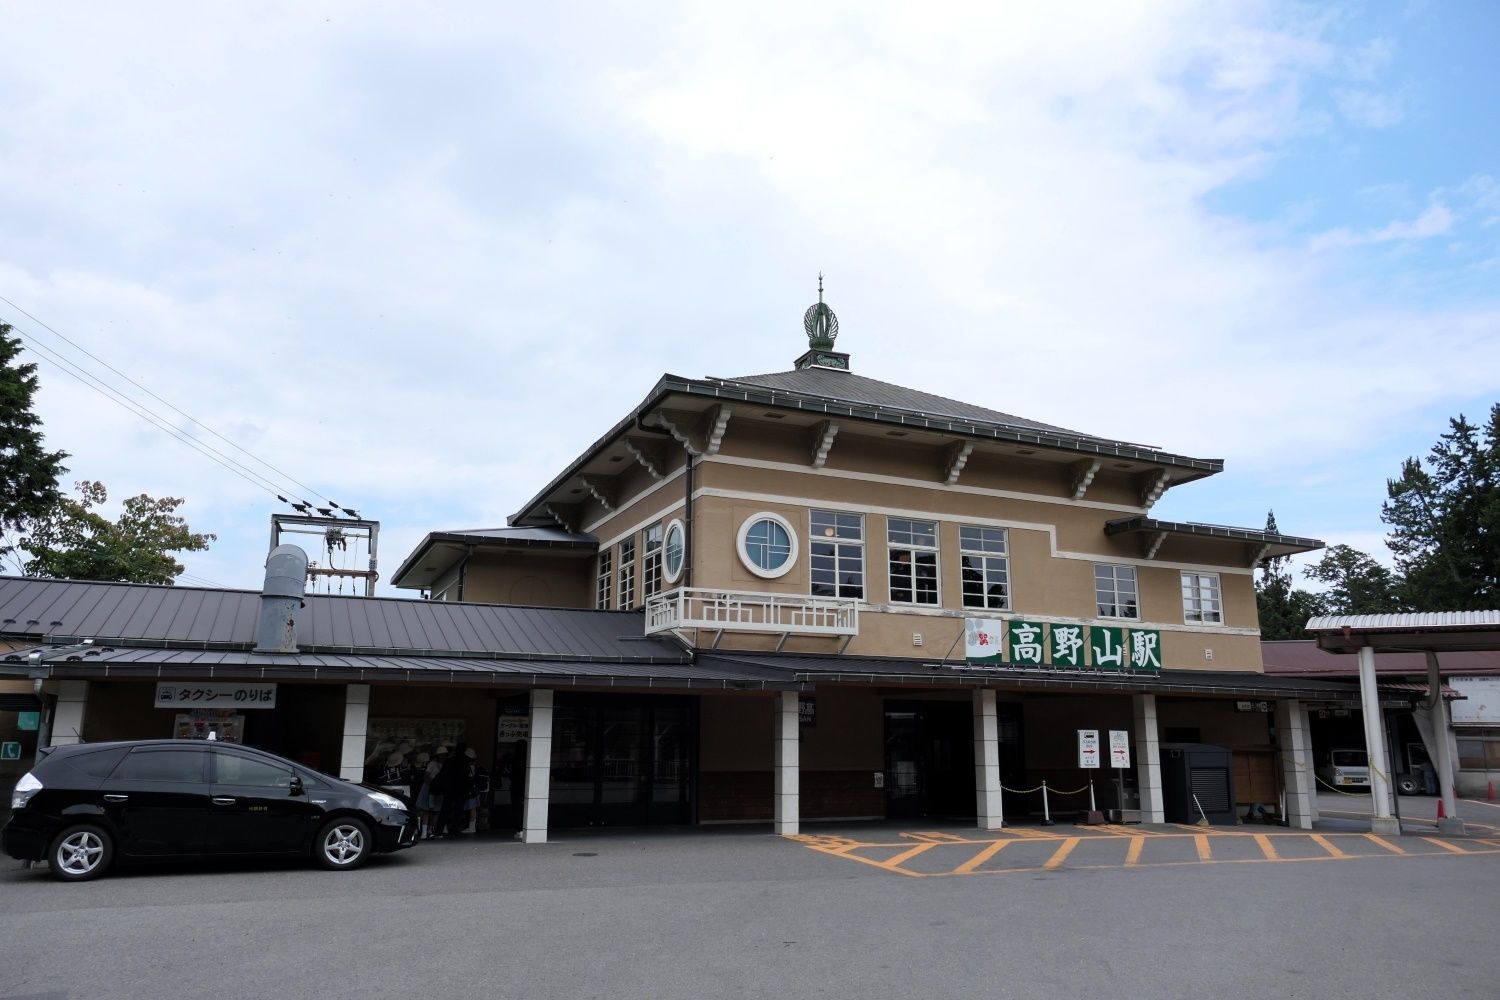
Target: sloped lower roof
column 65, row 610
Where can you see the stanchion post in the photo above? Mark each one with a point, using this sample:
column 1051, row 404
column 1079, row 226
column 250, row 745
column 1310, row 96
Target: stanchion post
column 1092, row 808
column 1046, row 812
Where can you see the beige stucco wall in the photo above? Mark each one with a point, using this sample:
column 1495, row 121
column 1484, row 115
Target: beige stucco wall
column 523, row 578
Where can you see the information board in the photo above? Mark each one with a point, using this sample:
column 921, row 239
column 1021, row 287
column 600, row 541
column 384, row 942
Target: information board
column 1088, row 748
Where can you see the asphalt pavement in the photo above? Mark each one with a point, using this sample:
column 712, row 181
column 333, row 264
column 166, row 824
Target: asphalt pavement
column 725, row 913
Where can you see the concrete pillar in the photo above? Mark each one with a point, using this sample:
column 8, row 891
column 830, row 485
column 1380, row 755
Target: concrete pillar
column 1380, row 772
column 1148, row 760
column 538, row 768
column 788, row 759
column 1296, row 763
column 1312, row 780
column 987, row 761
column 67, row 717
column 356, row 728
column 1443, row 762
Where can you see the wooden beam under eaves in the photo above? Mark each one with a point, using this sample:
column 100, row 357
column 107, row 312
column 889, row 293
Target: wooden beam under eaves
column 1152, row 543
column 565, row 514
column 1153, row 485
column 602, row 490
column 957, row 457
column 1083, row 476
column 823, row 436
column 1258, row 555
column 718, row 423
column 677, row 425
column 649, row 455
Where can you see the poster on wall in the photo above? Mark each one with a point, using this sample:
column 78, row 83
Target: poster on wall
column 223, row 724
column 1481, row 700
column 982, row 641
column 394, row 746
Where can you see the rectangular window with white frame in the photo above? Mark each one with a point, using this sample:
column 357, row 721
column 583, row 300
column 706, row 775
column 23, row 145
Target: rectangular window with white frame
column 913, row 561
column 650, row 562
column 985, row 557
column 837, row 541
column 604, row 580
column 1201, row 600
column 1115, row 592
column 627, row 574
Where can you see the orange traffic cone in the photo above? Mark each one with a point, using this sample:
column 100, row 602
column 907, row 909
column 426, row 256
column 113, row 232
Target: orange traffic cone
column 1442, row 813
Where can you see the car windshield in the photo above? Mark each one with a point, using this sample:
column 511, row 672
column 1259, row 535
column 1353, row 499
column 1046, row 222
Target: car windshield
column 1349, row 758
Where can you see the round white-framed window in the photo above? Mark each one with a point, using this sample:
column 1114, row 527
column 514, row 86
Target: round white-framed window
column 673, row 551
column 767, row 545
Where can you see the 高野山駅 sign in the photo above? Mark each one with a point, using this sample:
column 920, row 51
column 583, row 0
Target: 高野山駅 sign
column 1016, row 642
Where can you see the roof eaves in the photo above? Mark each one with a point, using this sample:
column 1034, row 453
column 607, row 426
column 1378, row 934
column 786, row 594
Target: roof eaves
column 1139, row 523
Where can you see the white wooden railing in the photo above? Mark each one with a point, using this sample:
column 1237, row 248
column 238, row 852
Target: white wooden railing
column 745, row 611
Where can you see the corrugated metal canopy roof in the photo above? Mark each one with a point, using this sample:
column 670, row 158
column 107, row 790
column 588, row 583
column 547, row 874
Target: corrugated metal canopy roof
column 60, row 610
column 1423, row 630
column 1304, row 658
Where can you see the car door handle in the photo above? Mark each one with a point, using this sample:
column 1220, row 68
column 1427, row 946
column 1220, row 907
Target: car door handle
column 116, row 798
column 220, row 800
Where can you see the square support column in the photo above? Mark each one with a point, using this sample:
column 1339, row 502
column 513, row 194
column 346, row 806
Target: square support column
column 1312, row 782
column 67, row 716
column 987, row 761
column 356, row 728
column 1296, row 763
column 1148, row 760
column 1380, row 781
column 1438, row 713
column 538, row 768
column 788, row 760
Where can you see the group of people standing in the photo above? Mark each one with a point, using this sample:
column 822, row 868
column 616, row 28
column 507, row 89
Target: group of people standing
column 445, row 788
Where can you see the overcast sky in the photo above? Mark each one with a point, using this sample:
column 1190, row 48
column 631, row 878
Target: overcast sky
column 418, row 257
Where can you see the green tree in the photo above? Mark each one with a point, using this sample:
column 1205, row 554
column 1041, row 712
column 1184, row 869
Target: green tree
column 1445, row 519
column 1356, row 583
column 78, row 543
column 1283, row 609
column 28, row 471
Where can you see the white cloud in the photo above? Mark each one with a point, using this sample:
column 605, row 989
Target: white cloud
column 421, row 260
column 1436, row 220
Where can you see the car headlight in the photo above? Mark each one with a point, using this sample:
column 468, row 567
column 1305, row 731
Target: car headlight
column 388, row 801
column 25, row 789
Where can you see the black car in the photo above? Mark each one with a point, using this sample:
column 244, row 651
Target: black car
column 84, row 807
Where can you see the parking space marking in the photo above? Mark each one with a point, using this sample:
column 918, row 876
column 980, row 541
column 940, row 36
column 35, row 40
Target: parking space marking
column 1445, row 845
column 1061, row 854
column 1327, row 845
column 921, row 854
column 982, row 857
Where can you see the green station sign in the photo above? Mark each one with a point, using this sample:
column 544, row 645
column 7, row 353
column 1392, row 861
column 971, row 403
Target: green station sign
column 1019, row 642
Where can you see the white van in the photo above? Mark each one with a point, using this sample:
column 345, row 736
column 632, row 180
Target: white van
column 1346, row 768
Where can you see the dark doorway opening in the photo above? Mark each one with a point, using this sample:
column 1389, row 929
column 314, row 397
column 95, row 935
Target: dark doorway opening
column 622, row 760
column 929, row 759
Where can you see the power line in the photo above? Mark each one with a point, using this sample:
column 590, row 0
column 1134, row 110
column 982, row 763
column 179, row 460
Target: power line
column 114, row 396
column 285, row 476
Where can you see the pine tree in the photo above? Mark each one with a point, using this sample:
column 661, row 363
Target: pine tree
column 1282, row 608
column 28, row 471
column 1445, row 520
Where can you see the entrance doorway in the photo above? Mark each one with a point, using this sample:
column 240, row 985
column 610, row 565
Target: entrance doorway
column 929, row 759
column 622, row 760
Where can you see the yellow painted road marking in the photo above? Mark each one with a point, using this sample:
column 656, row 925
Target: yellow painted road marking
column 1393, row 848
column 1061, row 854
column 981, row 857
column 1322, row 841
column 906, row 855
column 1205, row 853
column 1266, row 847
column 1133, row 856
column 1445, row 845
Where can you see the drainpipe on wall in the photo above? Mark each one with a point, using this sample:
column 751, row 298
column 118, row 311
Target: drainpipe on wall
column 463, row 570
column 687, row 507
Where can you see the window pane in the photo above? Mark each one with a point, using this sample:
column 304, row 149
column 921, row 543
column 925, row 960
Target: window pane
column 674, row 549
column 767, row 544
column 236, row 770
column 162, row 765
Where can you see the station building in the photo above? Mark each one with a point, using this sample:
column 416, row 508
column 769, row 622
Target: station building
column 804, row 595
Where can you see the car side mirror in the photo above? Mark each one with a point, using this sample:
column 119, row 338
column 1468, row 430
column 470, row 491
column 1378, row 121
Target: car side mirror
column 296, row 787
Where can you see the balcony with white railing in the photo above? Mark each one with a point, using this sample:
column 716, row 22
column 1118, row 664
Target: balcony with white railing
column 744, row 611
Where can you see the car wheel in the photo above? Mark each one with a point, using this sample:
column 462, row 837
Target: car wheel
column 80, row 853
column 342, row 844
column 1407, row 786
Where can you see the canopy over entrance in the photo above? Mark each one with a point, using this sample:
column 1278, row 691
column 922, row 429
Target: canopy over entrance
column 1426, row 632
